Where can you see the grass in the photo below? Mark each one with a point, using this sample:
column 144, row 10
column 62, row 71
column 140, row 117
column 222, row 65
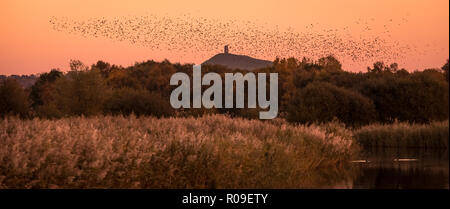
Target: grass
column 207, row 152
column 404, row 135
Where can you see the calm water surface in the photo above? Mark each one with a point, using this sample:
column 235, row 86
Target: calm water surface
column 399, row 169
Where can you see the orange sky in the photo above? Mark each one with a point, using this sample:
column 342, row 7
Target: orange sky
column 28, row 44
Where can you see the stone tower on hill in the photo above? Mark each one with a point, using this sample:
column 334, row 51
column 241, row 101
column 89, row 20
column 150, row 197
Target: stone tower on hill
column 234, row 61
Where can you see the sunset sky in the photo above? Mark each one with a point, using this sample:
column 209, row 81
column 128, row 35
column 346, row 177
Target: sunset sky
column 29, row 44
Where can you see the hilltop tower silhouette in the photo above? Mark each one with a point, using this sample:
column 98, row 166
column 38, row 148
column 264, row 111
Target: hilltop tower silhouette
column 235, row 61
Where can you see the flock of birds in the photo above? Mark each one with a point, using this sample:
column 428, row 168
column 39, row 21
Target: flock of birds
column 203, row 36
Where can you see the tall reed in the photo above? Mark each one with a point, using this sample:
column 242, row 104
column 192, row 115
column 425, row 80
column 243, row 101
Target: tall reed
column 406, row 135
column 207, row 152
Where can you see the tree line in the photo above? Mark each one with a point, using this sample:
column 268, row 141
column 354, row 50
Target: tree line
column 310, row 91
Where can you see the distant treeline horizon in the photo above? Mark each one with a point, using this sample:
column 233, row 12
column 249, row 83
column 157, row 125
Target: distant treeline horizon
column 31, row 76
column 310, row 91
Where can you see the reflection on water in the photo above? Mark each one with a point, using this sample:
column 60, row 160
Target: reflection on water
column 400, row 169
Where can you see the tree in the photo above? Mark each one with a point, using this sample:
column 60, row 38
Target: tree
column 137, row 101
column 322, row 102
column 40, row 90
column 380, row 67
column 330, row 64
column 82, row 93
column 417, row 97
column 445, row 69
column 77, row 65
column 101, row 65
column 76, row 93
column 13, row 99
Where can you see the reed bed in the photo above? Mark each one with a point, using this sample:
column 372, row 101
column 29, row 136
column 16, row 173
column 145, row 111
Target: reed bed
column 404, row 135
column 208, row 152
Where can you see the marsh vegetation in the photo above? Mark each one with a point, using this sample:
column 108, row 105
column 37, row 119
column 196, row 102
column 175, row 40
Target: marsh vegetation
column 146, row 152
column 107, row 126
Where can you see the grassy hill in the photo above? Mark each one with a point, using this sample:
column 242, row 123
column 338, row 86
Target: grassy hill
column 234, row 61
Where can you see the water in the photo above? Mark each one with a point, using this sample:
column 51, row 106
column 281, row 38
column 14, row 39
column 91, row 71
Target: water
column 399, row 169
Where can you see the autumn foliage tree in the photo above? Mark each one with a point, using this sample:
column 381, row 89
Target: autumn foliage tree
column 13, row 99
column 309, row 91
